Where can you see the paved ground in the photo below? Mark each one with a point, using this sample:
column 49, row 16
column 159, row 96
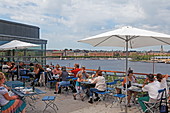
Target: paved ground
column 66, row 104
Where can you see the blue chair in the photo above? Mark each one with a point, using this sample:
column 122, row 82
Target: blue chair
column 111, row 86
column 69, row 77
column 49, row 102
column 66, row 87
column 118, row 98
column 103, row 95
column 74, row 78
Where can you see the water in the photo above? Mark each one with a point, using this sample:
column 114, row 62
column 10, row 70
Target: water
column 116, row 65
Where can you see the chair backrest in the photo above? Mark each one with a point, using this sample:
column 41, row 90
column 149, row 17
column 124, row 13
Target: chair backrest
column 23, row 72
column 111, row 83
column 161, row 94
column 48, row 75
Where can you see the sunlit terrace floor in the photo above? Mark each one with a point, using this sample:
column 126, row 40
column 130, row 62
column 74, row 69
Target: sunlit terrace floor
column 67, row 104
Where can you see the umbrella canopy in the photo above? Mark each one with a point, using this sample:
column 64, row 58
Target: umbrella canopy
column 128, row 37
column 133, row 36
column 16, row 44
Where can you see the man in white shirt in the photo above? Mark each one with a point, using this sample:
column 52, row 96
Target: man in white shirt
column 100, row 86
column 152, row 88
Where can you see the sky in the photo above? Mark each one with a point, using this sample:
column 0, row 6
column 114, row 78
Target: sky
column 63, row 22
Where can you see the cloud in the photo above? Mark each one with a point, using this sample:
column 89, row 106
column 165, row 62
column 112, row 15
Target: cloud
column 65, row 21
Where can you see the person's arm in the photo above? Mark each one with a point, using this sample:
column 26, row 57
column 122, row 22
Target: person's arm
column 37, row 71
column 79, row 80
column 60, row 74
column 14, row 68
column 94, row 81
column 165, row 76
column 53, row 71
column 124, row 81
column 87, row 75
column 135, row 78
column 145, row 82
column 7, row 97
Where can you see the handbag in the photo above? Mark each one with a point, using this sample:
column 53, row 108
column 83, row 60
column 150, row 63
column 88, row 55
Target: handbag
column 163, row 107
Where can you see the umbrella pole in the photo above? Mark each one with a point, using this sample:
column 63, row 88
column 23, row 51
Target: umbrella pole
column 126, row 71
column 153, row 63
column 18, row 71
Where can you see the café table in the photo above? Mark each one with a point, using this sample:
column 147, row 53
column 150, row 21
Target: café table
column 27, row 93
column 13, row 84
column 87, row 85
column 137, row 85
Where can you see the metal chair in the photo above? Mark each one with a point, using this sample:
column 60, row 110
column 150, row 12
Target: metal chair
column 66, row 88
column 25, row 79
column 155, row 105
column 103, row 95
column 111, row 86
column 49, row 80
column 49, row 102
column 118, row 98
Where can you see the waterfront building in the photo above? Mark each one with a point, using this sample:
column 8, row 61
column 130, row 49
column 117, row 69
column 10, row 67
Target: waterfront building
column 27, row 33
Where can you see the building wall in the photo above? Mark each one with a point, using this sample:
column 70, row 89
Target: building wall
column 18, row 29
column 27, row 33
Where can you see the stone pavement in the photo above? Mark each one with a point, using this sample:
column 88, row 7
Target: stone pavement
column 67, row 104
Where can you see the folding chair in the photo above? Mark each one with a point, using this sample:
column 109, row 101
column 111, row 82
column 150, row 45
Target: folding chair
column 49, row 102
column 49, row 79
column 25, row 79
column 153, row 106
column 111, row 86
column 118, row 98
column 103, row 95
column 66, row 87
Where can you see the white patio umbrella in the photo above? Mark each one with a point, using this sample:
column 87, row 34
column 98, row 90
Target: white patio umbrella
column 16, row 44
column 128, row 37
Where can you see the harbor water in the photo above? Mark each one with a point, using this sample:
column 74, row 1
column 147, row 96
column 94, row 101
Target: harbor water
column 115, row 65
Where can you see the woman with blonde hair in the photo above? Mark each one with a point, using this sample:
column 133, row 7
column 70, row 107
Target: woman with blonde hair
column 9, row 104
column 57, row 70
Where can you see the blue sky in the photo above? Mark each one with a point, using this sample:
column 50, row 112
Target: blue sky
column 64, row 22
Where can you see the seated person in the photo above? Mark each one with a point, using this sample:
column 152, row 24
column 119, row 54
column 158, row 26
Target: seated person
column 79, row 87
column 5, row 67
column 57, row 70
column 75, row 70
column 12, row 69
column 9, row 104
column 162, row 79
column 47, row 68
column 38, row 69
column 131, row 79
column 64, row 74
column 152, row 88
column 31, row 72
column 83, row 72
column 100, row 86
column 16, row 69
column 31, row 67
